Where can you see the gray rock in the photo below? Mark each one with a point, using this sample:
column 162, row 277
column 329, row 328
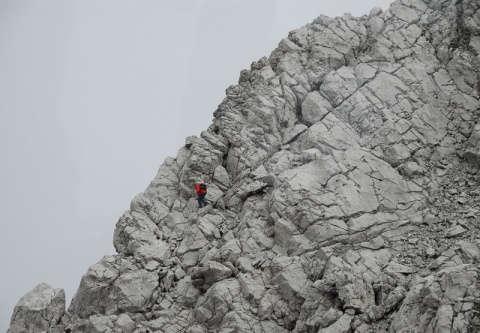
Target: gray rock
column 455, row 231
column 209, row 230
column 342, row 325
column 221, row 178
column 397, row 154
column 194, row 240
column 353, row 290
column 427, row 303
column 398, row 268
column 284, row 230
column 125, row 323
column 186, row 294
column 190, row 140
column 113, row 285
column 442, row 322
column 214, row 271
column 132, row 291
column 470, row 250
column 314, row 108
column 291, row 280
column 217, row 301
column 252, row 288
column 340, row 199
column 293, row 133
column 338, row 85
column 430, row 219
column 98, row 324
column 472, row 155
column 39, row 310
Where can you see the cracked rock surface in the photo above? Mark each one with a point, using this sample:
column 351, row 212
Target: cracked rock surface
column 40, row 310
column 343, row 187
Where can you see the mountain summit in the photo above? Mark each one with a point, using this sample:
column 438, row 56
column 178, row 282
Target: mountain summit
column 342, row 176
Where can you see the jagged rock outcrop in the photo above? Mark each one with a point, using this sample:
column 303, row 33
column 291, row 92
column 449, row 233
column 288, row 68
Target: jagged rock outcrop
column 341, row 200
column 40, row 310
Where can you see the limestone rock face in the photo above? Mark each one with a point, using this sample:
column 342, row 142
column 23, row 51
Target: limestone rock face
column 340, row 197
column 40, row 310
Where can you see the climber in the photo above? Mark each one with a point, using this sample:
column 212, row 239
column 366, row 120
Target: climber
column 201, row 190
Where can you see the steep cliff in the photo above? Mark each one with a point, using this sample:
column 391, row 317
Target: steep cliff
column 340, row 197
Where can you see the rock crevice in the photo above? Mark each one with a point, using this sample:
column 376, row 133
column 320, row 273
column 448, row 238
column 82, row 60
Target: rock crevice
column 342, row 175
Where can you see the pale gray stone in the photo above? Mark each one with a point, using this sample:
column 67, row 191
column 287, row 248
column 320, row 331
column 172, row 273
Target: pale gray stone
column 430, row 219
column 92, row 296
column 158, row 251
column 397, row 154
column 267, row 303
column 133, row 231
column 313, row 175
column 442, row 323
column 455, row 231
column 269, row 326
column 221, row 178
column 218, row 300
column 263, row 240
column 99, row 324
column 179, row 273
column 209, row 230
column 194, row 240
column 428, row 301
column 339, row 197
column 327, row 232
column 190, row 140
column 252, row 288
column 314, row 108
column 291, row 280
column 125, row 323
column 470, row 250
column 338, row 85
column 342, row 325
column 355, row 291
column 186, row 294
column 214, row 271
column 329, row 134
column 132, row 291
column 393, row 299
column 399, row 268
column 293, row 133
column 284, row 230
column 39, row 310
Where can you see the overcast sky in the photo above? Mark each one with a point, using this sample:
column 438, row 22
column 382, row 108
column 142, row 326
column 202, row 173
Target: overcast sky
column 94, row 95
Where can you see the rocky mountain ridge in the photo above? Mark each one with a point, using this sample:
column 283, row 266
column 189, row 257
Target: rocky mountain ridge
column 343, row 183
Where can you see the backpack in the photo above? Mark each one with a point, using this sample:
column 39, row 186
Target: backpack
column 203, row 187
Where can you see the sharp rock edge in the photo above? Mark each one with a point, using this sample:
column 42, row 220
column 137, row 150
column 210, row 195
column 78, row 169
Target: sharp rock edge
column 343, row 182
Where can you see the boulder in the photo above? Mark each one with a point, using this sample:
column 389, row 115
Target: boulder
column 40, row 310
column 315, row 108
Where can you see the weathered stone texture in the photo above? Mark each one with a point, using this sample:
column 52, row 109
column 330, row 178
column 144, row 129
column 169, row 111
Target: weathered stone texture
column 340, row 200
column 40, row 310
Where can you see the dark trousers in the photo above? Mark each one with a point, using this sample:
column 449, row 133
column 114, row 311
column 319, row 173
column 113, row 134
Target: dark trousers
column 201, row 200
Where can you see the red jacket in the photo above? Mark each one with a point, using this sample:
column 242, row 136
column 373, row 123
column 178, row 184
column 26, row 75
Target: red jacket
column 199, row 190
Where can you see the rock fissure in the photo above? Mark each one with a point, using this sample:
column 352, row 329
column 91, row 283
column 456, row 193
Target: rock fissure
column 340, row 199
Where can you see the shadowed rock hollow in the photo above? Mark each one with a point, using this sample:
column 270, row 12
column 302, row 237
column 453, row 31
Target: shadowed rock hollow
column 341, row 199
